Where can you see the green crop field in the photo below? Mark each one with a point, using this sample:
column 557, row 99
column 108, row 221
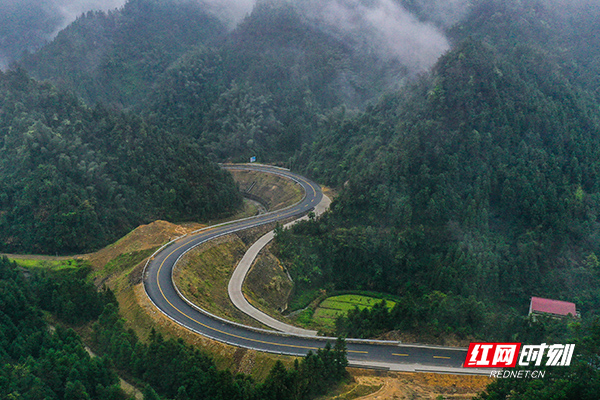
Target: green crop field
column 332, row 307
column 46, row 264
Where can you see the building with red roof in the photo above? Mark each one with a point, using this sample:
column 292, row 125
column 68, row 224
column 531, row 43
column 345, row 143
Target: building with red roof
column 552, row 308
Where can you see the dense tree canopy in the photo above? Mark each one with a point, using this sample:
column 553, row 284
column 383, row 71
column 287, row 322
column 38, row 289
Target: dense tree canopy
column 472, row 188
column 256, row 90
column 74, row 178
column 115, row 57
column 480, row 179
column 39, row 362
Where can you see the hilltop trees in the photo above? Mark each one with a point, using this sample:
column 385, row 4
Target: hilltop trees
column 74, row 178
column 115, row 57
column 258, row 89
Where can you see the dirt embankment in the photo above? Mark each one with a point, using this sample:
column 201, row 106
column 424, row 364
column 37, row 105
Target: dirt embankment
column 144, row 237
column 203, row 274
column 381, row 385
column 120, row 267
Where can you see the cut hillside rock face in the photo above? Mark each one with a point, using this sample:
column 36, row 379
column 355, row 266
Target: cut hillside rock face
column 268, row 281
column 275, row 192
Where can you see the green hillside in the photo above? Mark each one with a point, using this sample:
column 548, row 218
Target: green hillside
column 473, row 189
column 74, row 178
column 115, row 57
column 264, row 88
column 462, row 190
column 43, row 361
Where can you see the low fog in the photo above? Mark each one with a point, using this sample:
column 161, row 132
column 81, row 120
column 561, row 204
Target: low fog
column 383, row 26
column 25, row 25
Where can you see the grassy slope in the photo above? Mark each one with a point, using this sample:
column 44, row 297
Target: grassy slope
column 120, row 267
column 203, row 274
column 267, row 286
column 121, row 272
column 116, row 266
column 46, row 263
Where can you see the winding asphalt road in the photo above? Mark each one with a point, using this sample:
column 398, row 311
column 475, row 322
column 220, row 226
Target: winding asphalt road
column 162, row 292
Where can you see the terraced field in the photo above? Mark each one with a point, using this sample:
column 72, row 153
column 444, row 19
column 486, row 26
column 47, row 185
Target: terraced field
column 43, row 263
column 332, row 307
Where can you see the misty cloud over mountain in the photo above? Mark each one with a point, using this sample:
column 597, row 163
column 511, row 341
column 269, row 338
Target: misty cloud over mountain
column 25, row 25
column 383, row 26
column 387, row 27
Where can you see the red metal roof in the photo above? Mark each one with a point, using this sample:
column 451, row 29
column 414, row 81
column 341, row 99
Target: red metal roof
column 548, row 306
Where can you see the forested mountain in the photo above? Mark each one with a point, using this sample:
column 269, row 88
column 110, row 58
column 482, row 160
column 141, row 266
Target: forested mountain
column 75, row 178
column 256, row 90
column 261, row 91
column 475, row 182
column 476, row 187
column 115, row 57
column 23, row 29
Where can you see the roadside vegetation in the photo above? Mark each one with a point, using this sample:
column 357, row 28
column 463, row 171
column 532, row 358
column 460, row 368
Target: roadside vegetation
column 47, row 264
column 31, row 353
column 322, row 314
column 203, row 274
column 330, row 309
column 267, row 286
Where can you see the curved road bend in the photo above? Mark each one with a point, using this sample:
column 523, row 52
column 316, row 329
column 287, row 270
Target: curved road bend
column 160, row 289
